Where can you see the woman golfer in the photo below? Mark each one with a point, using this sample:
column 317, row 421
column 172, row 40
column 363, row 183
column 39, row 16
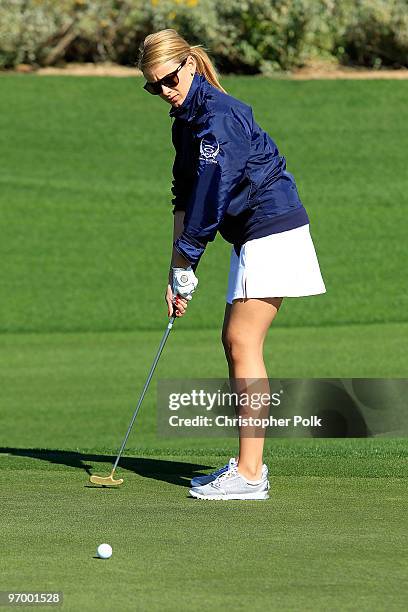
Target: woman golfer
column 230, row 178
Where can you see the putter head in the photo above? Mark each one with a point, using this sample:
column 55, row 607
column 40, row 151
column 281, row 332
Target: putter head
column 106, row 481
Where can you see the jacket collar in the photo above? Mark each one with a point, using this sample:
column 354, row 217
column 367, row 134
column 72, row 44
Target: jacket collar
column 193, row 99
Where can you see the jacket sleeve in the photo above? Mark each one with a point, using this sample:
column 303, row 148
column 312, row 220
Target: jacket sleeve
column 179, row 200
column 181, row 184
column 224, row 146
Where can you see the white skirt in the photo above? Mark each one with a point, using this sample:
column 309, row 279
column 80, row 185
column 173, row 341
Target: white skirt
column 278, row 265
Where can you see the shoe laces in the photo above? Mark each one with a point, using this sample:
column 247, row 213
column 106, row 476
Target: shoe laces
column 232, row 471
column 228, row 465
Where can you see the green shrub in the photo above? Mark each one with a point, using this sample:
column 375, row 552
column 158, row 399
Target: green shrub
column 41, row 32
column 243, row 36
column 376, row 34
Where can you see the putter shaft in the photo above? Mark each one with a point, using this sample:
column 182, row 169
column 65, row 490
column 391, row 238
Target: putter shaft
column 109, row 480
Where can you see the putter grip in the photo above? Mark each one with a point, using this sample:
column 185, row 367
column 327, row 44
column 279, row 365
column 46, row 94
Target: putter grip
column 174, row 308
column 174, row 305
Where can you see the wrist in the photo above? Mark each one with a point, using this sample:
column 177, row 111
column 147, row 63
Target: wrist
column 178, row 260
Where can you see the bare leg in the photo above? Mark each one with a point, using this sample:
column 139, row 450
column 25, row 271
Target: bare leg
column 246, row 323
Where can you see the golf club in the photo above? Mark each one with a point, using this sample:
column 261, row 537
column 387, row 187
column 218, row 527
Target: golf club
column 110, row 480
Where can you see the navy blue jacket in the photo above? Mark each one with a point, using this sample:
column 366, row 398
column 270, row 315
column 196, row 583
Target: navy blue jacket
column 228, row 175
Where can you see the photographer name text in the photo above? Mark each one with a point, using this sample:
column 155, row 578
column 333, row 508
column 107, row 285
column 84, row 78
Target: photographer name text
column 225, row 421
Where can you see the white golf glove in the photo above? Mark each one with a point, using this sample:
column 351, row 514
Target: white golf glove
column 184, row 282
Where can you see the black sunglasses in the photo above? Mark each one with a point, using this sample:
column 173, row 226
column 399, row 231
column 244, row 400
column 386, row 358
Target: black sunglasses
column 170, row 80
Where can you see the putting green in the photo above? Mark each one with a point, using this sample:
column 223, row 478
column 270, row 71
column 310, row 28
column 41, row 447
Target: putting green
column 331, row 536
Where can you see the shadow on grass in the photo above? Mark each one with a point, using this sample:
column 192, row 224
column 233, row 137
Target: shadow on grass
column 175, row 472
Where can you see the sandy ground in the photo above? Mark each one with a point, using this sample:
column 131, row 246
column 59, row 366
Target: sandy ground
column 326, row 70
column 315, row 70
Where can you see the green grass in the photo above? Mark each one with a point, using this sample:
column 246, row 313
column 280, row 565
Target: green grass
column 85, row 245
column 326, row 539
column 74, row 389
column 86, row 215
column 331, row 536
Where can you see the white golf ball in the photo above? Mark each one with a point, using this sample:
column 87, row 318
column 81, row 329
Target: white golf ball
column 104, row 551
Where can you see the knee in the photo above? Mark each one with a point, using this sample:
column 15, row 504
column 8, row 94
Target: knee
column 234, row 346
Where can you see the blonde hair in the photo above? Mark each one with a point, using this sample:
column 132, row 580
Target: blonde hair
column 167, row 45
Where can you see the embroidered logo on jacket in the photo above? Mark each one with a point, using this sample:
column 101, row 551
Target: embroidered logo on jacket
column 209, row 149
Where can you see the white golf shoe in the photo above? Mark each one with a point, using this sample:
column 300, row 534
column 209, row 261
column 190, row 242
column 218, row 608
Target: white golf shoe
column 232, row 485
column 199, row 481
